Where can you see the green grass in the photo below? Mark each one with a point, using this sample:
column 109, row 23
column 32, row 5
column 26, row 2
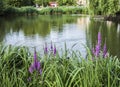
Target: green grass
column 57, row 71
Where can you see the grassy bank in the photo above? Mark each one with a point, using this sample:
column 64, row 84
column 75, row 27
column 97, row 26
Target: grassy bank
column 29, row 10
column 56, row 70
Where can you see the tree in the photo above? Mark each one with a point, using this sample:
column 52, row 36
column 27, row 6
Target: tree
column 104, row 7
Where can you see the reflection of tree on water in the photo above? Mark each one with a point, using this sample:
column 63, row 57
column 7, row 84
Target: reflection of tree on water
column 2, row 30
column 109, row 34
column 40, row 25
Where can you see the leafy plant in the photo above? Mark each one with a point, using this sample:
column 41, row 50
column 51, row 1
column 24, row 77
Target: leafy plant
column 57, row 70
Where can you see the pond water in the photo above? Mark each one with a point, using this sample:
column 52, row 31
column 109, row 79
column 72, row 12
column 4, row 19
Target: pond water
column 74, row 30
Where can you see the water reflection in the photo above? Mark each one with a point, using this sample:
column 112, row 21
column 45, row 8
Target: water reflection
column 110, row 35
column 35, row 31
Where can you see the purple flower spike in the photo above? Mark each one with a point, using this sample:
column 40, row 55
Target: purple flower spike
column 38, row 65
column 97, row 49
column 54, row 52
column 35, row 66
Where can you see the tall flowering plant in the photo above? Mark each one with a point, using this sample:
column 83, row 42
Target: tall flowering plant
column 36, row 65
column 96, row 51
column 52, row 49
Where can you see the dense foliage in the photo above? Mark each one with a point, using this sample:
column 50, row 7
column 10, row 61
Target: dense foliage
column 104, row 7
column 29, row 10
column 60, row 2
column 97, row 7
column 56, row 71
column 19, row 3
column 12, row 6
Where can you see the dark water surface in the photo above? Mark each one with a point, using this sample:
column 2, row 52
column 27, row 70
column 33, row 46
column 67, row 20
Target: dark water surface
column 70, row 29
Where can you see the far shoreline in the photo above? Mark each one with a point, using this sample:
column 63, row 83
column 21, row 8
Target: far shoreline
column 60, row 10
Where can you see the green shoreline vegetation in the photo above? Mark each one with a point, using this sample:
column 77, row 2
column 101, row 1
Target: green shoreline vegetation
column 57, row 71
column 29, row 10
column 92, row 7
column 21, row 68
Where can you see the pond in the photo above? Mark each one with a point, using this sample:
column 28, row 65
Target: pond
column 76, row 31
